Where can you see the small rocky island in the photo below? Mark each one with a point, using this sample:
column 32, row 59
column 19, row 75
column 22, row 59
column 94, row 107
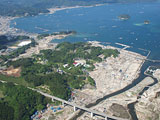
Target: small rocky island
column 146, row 22
column 124, row 17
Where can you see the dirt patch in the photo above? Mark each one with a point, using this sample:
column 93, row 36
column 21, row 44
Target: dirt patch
column 119, row 111
column 12, row 71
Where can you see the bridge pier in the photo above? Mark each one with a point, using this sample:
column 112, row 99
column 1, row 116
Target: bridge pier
column 91, row 115
column 106, row 118
column 74, row 108
column 92, row 112
column 63, row 104
column 52, row 99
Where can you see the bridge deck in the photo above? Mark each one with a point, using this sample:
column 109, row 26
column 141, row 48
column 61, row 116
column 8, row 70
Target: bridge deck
column 80, row 107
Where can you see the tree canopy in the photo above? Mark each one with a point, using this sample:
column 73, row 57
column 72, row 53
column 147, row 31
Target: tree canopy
column 47, row 68
column 19, row 102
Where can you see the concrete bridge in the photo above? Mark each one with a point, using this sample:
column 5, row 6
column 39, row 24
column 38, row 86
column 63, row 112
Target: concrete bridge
column 75, row 106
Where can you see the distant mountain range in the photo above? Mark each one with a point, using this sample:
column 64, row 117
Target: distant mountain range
column 34, row 7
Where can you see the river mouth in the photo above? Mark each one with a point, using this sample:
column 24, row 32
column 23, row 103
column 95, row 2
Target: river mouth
column 130, row 106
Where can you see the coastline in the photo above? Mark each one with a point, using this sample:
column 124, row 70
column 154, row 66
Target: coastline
column 5, row 21
column 129, row 60
column 43, row 44
column 5, row 28
column 5, row 25
column 53, row 10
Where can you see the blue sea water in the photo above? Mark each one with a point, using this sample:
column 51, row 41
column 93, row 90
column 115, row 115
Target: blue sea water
column 101, row 23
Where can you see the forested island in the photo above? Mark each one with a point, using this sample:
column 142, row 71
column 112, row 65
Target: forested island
column 124, row 17
column 146, row 22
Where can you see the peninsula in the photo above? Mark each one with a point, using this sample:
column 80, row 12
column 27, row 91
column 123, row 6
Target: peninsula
column 78, row 72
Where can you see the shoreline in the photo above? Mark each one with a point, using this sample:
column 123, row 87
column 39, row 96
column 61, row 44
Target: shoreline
column 54, row 10
column 135, row 57
column 5, row 21
column 43, row 44
column 5, row 28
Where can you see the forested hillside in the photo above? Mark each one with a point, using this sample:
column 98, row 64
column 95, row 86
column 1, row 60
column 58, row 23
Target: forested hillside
column 18, row 102
column 4, row 40
column 57, row 71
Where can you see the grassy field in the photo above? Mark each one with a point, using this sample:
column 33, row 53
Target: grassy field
column 1, row 94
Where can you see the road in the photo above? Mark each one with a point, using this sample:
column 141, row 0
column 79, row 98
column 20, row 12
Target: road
column 93, row 112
